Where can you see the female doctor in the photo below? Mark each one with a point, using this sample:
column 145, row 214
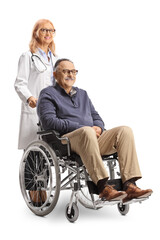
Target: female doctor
column 35, row 72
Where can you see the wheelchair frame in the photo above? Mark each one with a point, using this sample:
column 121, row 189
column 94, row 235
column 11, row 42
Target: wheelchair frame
column 41, row 169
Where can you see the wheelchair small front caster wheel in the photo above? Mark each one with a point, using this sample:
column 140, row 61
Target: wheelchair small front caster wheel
column 74, row 213
column 123, row 209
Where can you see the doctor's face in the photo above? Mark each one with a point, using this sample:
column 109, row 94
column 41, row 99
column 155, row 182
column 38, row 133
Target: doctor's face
column 65, row 75
column 46, row 34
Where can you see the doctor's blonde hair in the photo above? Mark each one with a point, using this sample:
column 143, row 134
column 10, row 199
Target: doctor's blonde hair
column 34, row 43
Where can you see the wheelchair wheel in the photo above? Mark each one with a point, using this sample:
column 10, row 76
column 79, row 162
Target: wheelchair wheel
column 39, row 177
column 123, row 209
column 74, row 213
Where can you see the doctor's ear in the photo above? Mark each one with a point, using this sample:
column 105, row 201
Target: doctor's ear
column 36, row 35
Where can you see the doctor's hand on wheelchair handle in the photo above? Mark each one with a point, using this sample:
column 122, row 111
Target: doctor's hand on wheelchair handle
column 32, row 101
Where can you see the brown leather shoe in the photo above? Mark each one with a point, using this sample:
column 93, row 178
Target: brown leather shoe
column 38, row 198
column 110, row 194
column 134, row 192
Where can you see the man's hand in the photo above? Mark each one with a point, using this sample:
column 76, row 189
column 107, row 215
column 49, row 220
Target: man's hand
column 32, row 102
column 98, row 131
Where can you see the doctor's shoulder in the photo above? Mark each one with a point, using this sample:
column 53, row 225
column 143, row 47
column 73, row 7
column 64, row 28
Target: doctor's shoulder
column 26, row 54
column 25, row 57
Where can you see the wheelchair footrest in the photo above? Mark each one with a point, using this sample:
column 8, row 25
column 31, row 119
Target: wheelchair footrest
column 101, row 203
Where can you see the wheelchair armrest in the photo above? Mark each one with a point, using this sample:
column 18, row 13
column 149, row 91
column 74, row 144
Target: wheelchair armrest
column 48, row 132
column 56, row 137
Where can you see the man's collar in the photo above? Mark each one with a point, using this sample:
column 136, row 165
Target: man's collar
column 71, row 93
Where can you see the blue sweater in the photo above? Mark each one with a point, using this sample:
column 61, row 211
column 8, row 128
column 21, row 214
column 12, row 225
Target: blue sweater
column 64, row 113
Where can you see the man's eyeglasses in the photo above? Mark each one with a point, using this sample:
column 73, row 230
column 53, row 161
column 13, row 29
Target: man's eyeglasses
column 45, row 30
column 67, row 71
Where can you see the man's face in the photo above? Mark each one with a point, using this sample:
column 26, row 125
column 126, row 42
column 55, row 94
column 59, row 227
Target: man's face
column 64, row 76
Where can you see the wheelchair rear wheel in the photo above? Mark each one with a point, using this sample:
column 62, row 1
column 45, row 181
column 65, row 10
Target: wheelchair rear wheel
column 39, row 177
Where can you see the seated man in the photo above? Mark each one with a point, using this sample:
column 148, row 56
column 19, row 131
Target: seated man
column 69, row 111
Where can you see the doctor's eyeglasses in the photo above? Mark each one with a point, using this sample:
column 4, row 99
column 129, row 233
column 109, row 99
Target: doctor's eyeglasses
column 45, row 30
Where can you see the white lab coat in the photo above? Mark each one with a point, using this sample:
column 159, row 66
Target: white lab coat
column 30, row 82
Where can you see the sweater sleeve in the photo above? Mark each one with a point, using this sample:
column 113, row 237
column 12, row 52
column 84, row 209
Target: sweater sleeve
column 46, row 110
column 97, row 120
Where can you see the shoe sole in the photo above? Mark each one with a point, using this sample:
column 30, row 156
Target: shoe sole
column 142, row 196
column 145, row 195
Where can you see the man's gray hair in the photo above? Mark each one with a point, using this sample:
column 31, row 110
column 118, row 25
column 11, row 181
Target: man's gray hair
column 59, row 61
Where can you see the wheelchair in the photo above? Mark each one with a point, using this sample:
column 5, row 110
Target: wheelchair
column 48, row 166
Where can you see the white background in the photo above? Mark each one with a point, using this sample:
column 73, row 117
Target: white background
column 115, row 45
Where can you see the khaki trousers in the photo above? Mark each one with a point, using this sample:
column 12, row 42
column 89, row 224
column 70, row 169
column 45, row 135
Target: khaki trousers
column 120, row 139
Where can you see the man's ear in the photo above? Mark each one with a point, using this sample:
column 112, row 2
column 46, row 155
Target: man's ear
column 54, row 74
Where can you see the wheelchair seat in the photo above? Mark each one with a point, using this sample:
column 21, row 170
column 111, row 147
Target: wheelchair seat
column 53, row 138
